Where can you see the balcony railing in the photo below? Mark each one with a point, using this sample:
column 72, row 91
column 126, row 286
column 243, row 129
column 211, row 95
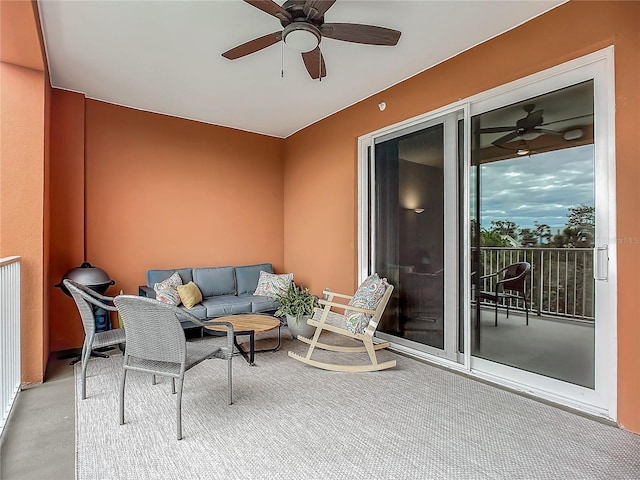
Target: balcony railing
column 9, row 334
column 560, row 283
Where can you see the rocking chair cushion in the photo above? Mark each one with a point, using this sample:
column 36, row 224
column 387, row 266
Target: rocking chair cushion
column 367, row 296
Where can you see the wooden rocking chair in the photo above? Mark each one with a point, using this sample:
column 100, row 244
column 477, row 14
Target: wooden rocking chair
column 325, row 319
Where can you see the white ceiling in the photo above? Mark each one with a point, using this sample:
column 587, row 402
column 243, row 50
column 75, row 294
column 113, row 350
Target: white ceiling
column 165, row 56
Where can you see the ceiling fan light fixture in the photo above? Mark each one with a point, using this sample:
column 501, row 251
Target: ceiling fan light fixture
column 302, row 37
column 523, row 149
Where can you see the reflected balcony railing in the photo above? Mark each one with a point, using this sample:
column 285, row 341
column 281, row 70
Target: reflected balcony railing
column 560, row 283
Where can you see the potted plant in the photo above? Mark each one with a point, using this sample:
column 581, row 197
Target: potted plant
column 297, row 304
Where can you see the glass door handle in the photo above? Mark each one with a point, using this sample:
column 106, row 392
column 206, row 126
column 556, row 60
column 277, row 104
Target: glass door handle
column 601, row 262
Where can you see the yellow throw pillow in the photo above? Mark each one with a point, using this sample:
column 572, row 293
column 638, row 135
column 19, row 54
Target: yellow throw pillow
column 190, row 294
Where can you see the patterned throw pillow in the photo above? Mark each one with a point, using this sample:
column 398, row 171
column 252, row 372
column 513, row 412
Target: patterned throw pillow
column 367, row 296
column 270, row 284
column 190, row 294
column 167, row 290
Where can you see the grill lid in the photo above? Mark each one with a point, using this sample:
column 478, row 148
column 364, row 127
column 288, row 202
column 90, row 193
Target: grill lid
column 87, row 274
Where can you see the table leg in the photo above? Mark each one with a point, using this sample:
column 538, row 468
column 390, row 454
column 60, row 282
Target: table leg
column 250, row 358
column 252, row 347
column 274, row 349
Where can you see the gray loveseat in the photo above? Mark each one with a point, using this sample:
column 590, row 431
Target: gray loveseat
column 225, row 290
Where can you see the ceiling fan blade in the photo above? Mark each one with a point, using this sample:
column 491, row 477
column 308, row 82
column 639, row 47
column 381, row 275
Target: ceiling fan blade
column 253, row 46
column 317, row 8
column 272, row 8
column 567, row 119
column 357, row 33
column 314, row 61
column 547, row 131
column 504, row 139
column 497, row 129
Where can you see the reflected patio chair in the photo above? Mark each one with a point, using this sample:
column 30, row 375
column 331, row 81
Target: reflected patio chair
column 86, row 299
column 326, row 319
column 511, row 284
column 156, row 344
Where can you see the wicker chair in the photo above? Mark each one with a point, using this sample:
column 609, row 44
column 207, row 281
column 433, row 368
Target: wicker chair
column 156, row 344
column 511, row 278
column 86, row 299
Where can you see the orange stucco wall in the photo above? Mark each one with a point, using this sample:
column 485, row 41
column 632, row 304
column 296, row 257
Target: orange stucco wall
column 23, row 113
column 22, row 204
column 163, row 192
column 66, row 211
column 321, row 248
column 19, row 30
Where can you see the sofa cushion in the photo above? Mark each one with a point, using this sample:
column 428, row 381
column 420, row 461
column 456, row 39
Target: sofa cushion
column 270, row 284
column 260, row 303
column 226, row 305
column 247, row 277
column 215, row 281
column 167, row 290
column 157, row 276
column 189, row 294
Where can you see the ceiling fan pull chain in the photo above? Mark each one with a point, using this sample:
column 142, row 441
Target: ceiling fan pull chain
column 281, row 59
column 319, row 64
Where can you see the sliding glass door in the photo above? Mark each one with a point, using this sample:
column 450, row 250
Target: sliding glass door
column 541, row 291
column 535, row 208
column 413, row 206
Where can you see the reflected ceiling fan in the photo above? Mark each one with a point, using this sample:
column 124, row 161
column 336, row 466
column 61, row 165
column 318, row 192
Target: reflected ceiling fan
column 527, row 128
column 304, row 27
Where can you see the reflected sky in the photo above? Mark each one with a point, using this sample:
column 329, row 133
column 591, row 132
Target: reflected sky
column 539, row 188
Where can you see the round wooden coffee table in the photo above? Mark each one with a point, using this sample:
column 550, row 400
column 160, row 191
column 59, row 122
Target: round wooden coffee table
column 248, row 324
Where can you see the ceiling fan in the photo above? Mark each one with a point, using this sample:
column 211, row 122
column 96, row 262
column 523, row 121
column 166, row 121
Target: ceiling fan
column 527, row 128
column 304, row 27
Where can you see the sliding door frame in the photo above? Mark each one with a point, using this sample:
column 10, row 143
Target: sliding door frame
column 598, row 66
column 448, row 117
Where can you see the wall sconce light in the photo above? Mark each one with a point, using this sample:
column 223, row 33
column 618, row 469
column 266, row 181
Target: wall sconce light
column 418, row 210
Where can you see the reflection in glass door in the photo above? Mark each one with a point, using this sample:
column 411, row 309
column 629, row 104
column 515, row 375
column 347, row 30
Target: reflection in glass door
column 532, row 235
column 414, row 233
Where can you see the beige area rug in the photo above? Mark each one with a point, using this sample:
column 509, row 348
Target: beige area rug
column 292, row 421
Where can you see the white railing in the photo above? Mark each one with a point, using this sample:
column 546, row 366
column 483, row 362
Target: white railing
column 9, row 334
column 560, row 283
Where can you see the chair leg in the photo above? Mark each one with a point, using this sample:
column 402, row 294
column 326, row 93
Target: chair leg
column 526, row 309
column 496, row 322
column 371, row 351
column 179, row 407
column 122, row 381
column 314, row 340
column 154, row 380
column 173, row 385
column 230, row 373
column 86, row 355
